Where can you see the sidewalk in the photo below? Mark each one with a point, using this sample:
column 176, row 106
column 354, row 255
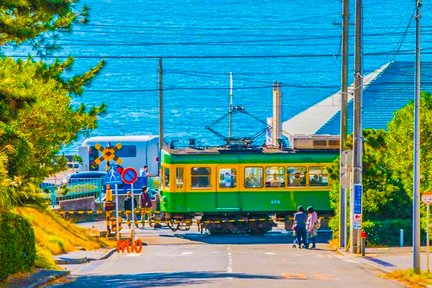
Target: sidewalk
column 389, row 259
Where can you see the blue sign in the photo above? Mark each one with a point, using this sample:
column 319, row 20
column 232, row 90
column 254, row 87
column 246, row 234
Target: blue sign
column 358, row 190
column 113, row 176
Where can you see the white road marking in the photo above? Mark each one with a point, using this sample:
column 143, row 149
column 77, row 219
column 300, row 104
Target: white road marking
column 133, row 254
column 270, row 253
column 229, row 267
column 351, row 261
column 187, row 253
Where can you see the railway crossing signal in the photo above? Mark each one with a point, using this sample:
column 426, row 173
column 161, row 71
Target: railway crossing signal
column 108, row 153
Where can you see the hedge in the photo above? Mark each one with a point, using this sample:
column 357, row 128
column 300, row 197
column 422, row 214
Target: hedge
column 17, row 245
column 387, row 233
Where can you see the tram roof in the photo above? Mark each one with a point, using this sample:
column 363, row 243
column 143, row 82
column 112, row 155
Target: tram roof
column 226, row 155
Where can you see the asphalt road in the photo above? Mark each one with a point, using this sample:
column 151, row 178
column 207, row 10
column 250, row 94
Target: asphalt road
column 194, row 260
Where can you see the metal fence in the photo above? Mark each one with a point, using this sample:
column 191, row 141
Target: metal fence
column 74, row 189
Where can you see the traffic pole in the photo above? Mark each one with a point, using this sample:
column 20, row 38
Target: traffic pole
column 117, row 213
column 133, row 216
column 427, row 237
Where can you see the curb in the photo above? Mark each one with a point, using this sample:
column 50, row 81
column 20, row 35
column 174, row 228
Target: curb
column 38, row 279
column 365, row 260
column 51, row 278
column 65, row 260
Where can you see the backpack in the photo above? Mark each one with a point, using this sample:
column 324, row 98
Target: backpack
column 318, row 224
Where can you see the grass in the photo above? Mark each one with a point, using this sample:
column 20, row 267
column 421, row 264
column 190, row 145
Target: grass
column 411, row 279
column 55, row 235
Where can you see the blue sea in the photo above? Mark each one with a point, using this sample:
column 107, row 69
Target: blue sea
column 200, row 42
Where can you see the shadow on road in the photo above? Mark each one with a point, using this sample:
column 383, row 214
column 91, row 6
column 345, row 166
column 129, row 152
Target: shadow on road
column 157, row 279
column 269, row 238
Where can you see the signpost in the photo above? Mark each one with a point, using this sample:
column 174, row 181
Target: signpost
column 113, row 178
column 129, row 176
column 427, row 199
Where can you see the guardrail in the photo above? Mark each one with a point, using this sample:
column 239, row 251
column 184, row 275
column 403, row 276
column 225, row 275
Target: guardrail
column 74, row 189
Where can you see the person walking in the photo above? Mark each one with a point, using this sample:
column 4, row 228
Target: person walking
column 145, row 204
column 312, row 219
column 127, row 206
column 300, row 226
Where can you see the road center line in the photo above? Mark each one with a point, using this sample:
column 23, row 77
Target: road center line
column 229, row 267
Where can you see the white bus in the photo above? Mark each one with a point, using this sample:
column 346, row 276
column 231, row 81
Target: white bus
column 127, row 151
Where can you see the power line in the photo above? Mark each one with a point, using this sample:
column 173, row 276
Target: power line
column 327, row 55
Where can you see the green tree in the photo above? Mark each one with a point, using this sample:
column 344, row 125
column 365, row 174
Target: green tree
column 384, row 197
column 400, row 140
column 36, row 21
column 36, row 114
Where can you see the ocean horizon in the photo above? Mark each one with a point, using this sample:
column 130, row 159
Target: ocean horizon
column 296, row 43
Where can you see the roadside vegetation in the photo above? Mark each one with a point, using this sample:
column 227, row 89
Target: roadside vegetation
column 387, row 177
column 37, row 119
column 410, row 278
column 55, row 235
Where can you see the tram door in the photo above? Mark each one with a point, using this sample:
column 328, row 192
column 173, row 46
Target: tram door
column 227, row 194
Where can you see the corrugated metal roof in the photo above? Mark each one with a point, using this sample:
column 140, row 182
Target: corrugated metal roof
column 392, row 91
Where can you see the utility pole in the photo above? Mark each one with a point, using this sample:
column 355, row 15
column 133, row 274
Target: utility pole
column 356, row 192
column 231, row 106
column 161, row 136
column 343, row 121
column 416, row 188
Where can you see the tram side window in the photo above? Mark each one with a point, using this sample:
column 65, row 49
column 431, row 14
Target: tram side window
column 296, row 176
column 275, row 176
column 318, row 176
column 227, row 178
column 167, row 177
column 200, row 177
column 179, row 178
column 253, row 177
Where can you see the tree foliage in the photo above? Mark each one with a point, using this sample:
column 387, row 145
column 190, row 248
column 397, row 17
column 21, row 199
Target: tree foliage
column 384, row 195
column 36, row 21
column 388, row 165
column 400, row 139
column 37, row 117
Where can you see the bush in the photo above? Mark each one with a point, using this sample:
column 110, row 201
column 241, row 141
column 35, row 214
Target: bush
column 387, row 232
column 17, row 245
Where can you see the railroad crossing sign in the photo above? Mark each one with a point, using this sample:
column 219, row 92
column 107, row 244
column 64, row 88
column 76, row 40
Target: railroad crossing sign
column 427, row 197
column 129, row 175
column 113, row 176
column 108, row 153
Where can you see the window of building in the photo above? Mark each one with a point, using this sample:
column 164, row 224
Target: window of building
column 93, row 155
column 126, row 151
column 166, row 177
column 253, row 177
column 200, row 177
column 179, row 178
column 227, row 178
column 275, row 176
column 318, row 176
column 297, row 176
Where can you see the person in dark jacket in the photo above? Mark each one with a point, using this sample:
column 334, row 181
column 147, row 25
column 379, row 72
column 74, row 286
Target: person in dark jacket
column 300, row 226
column 127, row 206
column 145, row 204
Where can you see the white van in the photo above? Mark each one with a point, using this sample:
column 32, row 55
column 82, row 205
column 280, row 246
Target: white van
column 127, row 151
